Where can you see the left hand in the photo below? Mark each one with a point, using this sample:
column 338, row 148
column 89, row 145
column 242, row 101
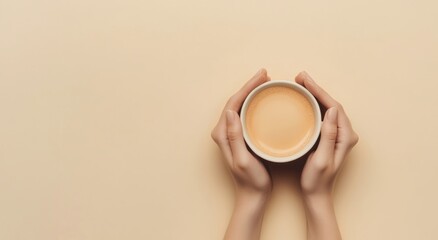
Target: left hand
column 337, row 139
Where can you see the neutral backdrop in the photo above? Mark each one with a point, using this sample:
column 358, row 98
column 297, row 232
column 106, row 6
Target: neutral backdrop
column 106, row 109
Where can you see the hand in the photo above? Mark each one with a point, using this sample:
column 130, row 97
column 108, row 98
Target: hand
column 250, row 176
column 322, row 166
column 253, row 184
column 337, row 139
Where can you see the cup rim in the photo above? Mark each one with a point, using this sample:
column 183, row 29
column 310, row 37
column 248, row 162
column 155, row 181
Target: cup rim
column 316, row 110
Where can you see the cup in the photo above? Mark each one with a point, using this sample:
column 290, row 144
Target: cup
column 281, row 121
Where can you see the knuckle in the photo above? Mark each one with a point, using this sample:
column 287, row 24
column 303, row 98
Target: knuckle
column 232, row 100
column 221, row 141
column 321, row 165
column 214, row 134
column 232, row 137
column 331, row 135
column 217, row 136
column 233, row 133
column 319, row 162
column 242, row 164
column 354, row 139
column 330, row 131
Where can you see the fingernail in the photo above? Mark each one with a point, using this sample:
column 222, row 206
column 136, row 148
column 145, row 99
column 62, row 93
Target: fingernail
column 230, row 116
column 332, row 113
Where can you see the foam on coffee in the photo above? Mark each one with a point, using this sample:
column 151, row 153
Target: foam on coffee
column 280, row 121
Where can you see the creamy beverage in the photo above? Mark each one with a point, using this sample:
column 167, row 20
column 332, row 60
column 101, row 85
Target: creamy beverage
column 280, row 121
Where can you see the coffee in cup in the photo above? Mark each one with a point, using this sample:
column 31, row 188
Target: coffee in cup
column 281, row 121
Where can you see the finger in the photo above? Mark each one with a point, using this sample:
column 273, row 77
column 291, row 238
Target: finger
column 344, row 146
column 329, row 132
column 219, row 135
column 226, row 151
column 235, row 138
column 236, row 101
column 344, row 129
column 303, row 78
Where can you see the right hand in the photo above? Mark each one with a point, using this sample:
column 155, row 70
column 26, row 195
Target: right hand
column 251, row 178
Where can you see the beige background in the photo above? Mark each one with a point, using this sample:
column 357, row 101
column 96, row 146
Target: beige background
column 107, row 106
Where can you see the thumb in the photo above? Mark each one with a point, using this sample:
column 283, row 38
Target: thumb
column 235, row 137
column 329, row 133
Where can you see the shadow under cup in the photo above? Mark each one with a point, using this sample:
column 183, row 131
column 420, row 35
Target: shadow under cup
column 281, row 121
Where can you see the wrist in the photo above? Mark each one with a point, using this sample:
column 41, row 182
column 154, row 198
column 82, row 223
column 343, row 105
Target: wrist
column 247, row 216
column 321, row 217
column 251, row 201
column 317, row 203
column 317, row 197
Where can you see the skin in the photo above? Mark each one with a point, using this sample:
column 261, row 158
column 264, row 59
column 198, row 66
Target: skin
column 323, row 165
column 253, row 184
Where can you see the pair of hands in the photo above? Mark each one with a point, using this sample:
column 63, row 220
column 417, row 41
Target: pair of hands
column 252, row 180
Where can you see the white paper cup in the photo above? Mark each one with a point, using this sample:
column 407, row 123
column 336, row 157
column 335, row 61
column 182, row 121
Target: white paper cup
column 316, row 110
